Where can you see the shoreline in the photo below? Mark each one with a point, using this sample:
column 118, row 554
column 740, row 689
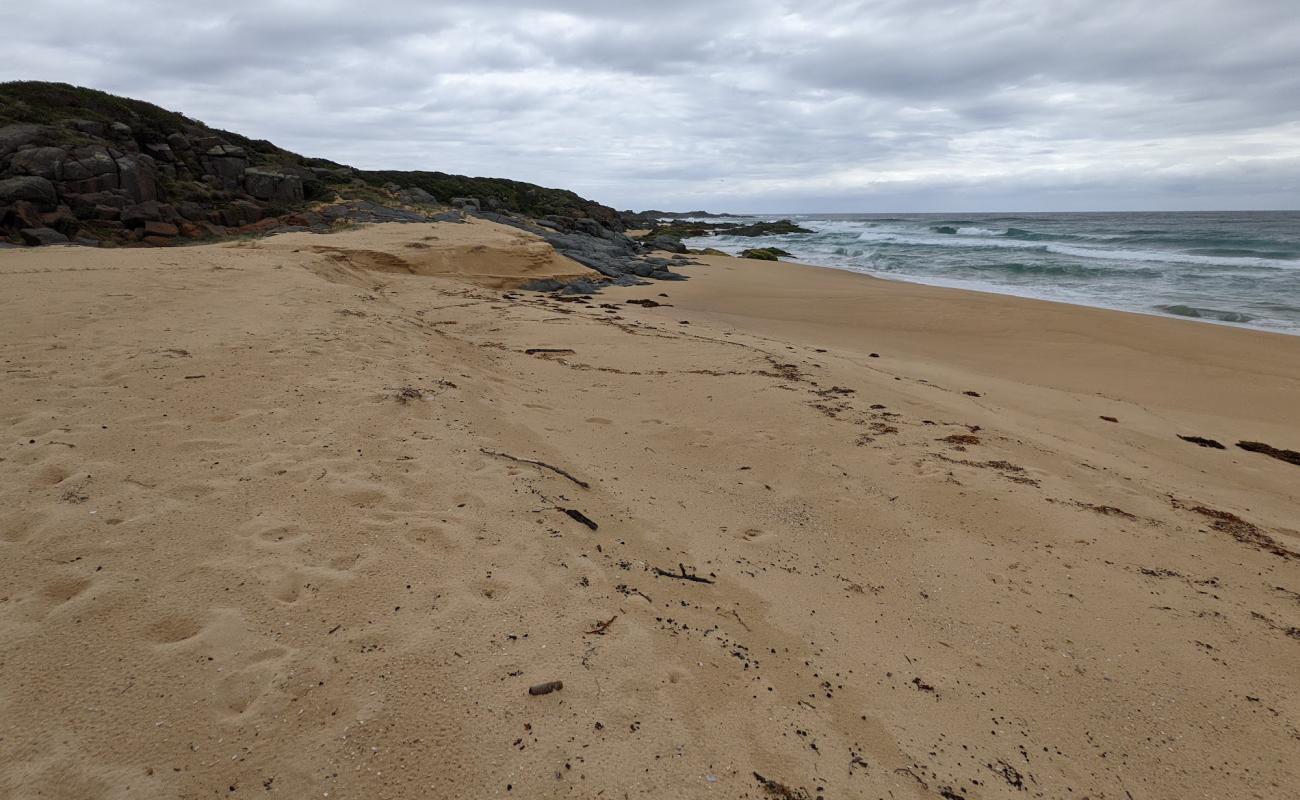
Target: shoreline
column 1232, row 269
column 993, row 290
column 924, row 320
column 317, row 512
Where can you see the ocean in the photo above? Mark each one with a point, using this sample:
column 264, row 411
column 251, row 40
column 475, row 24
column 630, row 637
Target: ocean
column 1232, row 268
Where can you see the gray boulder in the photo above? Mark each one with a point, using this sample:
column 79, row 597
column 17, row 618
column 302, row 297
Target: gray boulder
column 89, row 126
column 226, row 163
column 92, row 199
column 467, row 203
column 41, row 161
column 192, row 211
column 40, row 236
column 13, row 137
column 266, row 184
column 667, row 243
column 161, row 151
column 30, row 188
column 240, row 212
column 149, row 211
column 91, row 204
column 592, row 228
column 89, row 169
column 414, row 195
column 138, row 177
column 332, row 174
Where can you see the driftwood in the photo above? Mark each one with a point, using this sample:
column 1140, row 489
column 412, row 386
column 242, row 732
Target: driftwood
column 577, row 515
column 541, row 464
column 601, row 627
column 538, row 351
column 681, row 576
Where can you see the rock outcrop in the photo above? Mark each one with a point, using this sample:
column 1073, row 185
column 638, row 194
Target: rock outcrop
column 81, row 166
column 28, row 188
column 95, row 168
column 611, row 253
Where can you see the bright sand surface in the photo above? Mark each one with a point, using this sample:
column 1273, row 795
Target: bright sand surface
column 261, row 533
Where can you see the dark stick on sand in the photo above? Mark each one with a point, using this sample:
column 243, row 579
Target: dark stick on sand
column 541, row 464
column 682, row 576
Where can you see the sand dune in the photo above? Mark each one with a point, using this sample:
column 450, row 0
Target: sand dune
column 289, row 517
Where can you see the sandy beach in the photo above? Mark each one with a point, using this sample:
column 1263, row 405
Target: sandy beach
column 307, row 516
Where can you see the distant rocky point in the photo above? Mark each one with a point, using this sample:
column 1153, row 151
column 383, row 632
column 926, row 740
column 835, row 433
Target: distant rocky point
column 669, row 236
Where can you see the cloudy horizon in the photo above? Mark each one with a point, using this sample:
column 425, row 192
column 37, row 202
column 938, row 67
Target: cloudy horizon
column 887, row 106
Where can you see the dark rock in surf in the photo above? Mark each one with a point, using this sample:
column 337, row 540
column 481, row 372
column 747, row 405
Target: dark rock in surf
column 777, row 228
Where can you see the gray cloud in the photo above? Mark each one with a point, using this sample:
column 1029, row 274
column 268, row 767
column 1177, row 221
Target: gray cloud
column 749, row 106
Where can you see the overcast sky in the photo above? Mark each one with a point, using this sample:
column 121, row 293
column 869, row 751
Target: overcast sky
column 890, row 105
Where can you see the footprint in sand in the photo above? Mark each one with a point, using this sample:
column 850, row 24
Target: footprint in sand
column 56, row 594
column 428, row 538
column 363, row 495
column 64, row 590
column 69, row 775
column 22, row 526
column 344, row 562
column 493, row 590
column 246, row 667
column 52, row 475
column 286, row 587
column 239, row 691
column 281, row 534
column 271, row 530
column 170, row 630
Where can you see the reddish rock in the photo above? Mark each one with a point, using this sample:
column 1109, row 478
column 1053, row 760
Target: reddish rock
column 156, row 241
column 61, row 219
column 191, row 231
column 153, row 228
column 27, row 215
column 260, row 227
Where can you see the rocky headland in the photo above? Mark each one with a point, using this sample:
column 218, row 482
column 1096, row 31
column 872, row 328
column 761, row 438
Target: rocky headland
column 80, row 166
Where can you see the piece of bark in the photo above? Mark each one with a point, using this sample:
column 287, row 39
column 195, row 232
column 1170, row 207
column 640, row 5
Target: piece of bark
column 545, row 688
column 580, row 517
